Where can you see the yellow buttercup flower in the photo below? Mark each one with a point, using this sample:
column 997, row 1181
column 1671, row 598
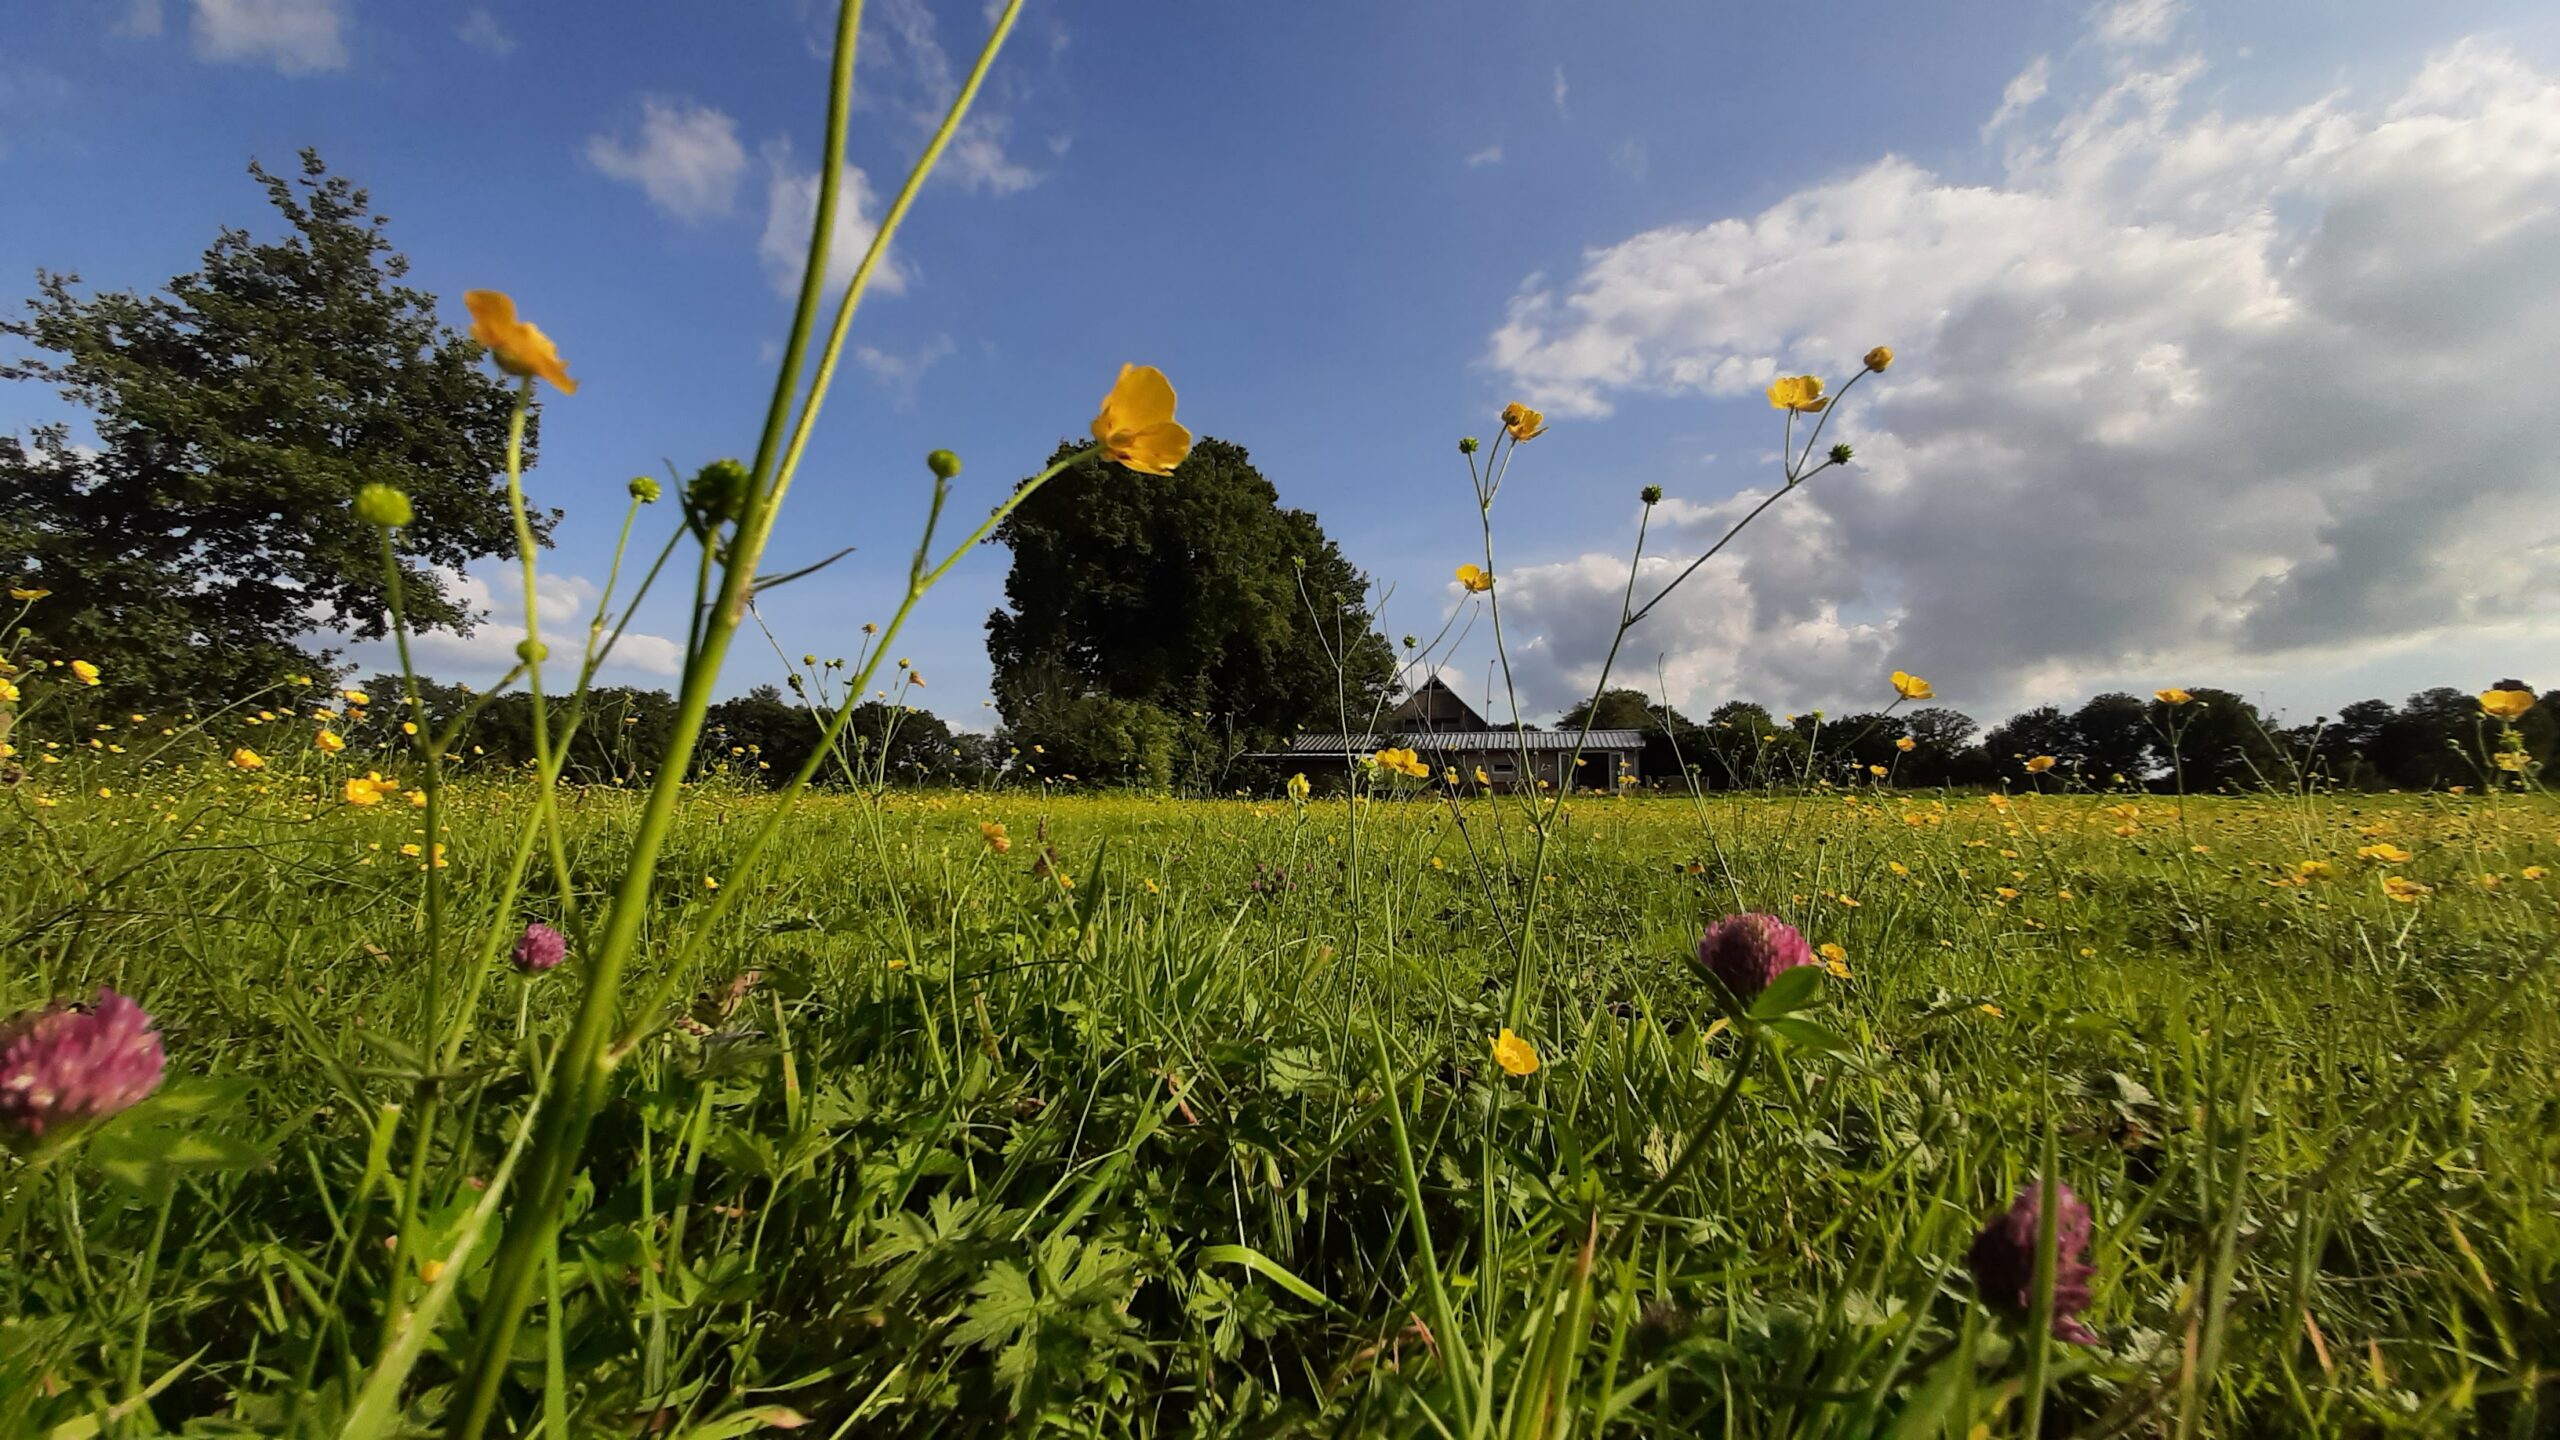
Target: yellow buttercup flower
column 357, row 697
column 26, row 595
column 2386, row 852
column 368, row 789
column 329, row 741
column 1877, row 771
column 1481, row 777
column 1910, row 686
column 1800, row 393
column 1300, row 787
column 1880, row 358
column 1522, row 422
column 2513, row 761
column 992, row 832
column 1476, row 578
column 245, row 758
column 8, row 691
column 1136, row 425
column 86, row 673
column 1513, row 1054
column 2172, row 696
column 1906, row 744
column 519, row 346
column 2040, row 764
column 2506, row 704
column 2406, row 891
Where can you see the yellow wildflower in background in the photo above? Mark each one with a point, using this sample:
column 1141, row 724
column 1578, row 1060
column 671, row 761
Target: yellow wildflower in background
column 1136, row 425
column 26, row 596
column 1910, row 686
column 2385, row 851
column 1523, row 423
column 1906, row 744
column 2040, row 764
column 1800, row 393
column 1835, row 959
column 329, row 741
column 368, row 789
column 1300, row 787
column 84, row 672
column 992, row 832
column 245, row 758
column 2172, row 696
column 357, row 697
column 1513, row 1054
column 8, row 690
column 2506, row 704
column 519, row 346
column 2402, row 889
column 1476, row 578
column 1880, row 358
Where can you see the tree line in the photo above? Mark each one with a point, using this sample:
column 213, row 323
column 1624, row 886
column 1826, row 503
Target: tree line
column 2213, row 739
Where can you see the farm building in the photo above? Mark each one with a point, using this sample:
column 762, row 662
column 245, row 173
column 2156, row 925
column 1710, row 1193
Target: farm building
column 1447, row 733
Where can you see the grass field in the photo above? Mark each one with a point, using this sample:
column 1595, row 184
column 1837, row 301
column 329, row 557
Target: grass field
column 941, row 1138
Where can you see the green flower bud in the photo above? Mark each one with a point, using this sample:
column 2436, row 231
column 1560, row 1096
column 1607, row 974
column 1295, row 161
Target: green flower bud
column 1467, row 445
column 1840, row 453
column 718, row 491
column 1653, row 494
column 383, row 505
column 943, row 464
column 644, row 489
column 532, row 652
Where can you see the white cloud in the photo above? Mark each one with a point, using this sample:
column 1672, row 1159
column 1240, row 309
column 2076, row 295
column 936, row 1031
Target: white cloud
column 900, row 373
column 142, row 20
column 908, row 45
column 481, row 31
column 564, row 604
column 2183, row 391
column 2024, row 89
column 791, row 211
column 2136, row 22
column 1489, row 155
column 1631, row 158
column 1560, row 90
column 295, row 36
column 687, row 159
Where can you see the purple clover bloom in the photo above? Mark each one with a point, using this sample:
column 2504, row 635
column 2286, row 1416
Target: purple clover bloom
column 66, row 1065
column 540, row 948
column 1746, row 952
column 2003, row 1260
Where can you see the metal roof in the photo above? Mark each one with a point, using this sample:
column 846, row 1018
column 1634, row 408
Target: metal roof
column 1447, row 740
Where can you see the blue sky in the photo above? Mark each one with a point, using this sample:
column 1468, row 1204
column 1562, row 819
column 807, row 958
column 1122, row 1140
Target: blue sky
column 2190, row 304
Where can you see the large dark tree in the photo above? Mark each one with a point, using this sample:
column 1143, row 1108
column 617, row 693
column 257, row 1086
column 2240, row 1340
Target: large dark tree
column 206, row 537
column 1229, row 621
column 2114, row 736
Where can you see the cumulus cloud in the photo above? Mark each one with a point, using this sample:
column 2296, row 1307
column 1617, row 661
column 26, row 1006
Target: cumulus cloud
column 1489, row 155
column 2182, row 390
column 295, row 36
column 564, row 603
column 791, row 210
column 687, row 158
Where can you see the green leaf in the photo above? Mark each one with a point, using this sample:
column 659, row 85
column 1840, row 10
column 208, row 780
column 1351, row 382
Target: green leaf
column 1268, row 1268
column 1793, row 990
column 1807, row 1034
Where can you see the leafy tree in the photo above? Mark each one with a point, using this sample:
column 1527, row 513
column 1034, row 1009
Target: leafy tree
column 209, row 533
column 2044, row 730
column 760, row 736
column 907, row 745
column 2223, row 742
column 1672, row 741
column 1193, row 595
column 2112, row 735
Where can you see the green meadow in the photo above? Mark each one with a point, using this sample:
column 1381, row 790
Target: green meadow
column 1152, row 1116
